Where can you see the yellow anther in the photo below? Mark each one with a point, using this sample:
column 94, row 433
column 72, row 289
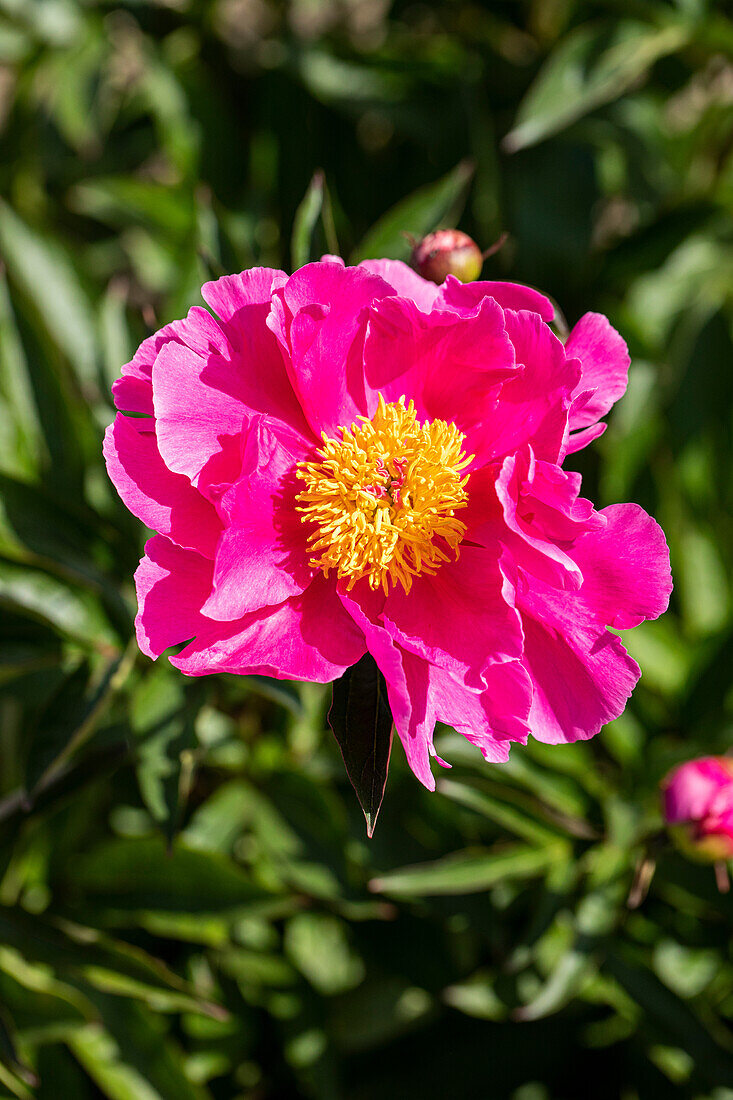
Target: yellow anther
column 382, row 500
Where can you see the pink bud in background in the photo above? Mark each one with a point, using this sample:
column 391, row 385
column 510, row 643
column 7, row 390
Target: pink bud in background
column 447, row 252
column 698, row 803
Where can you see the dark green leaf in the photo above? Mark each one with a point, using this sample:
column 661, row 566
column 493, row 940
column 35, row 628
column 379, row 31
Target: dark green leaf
column 102, row 962
column 133, row 1056
column 674, row 1017
column 8, row 1053
column 131, row 875
column 362, row 723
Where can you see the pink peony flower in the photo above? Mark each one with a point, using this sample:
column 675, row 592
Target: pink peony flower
column 355, row 459
column 698, row 797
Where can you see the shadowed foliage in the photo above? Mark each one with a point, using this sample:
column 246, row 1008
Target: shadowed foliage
column 189, row 907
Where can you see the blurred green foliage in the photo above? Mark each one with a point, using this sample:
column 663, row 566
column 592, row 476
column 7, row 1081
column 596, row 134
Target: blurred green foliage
column 189, row 908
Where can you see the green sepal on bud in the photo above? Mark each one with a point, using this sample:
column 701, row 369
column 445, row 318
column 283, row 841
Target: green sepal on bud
column 447, row 252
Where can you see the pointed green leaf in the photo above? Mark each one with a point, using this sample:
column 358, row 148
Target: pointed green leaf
column 8, row 1053
column 46, row 276
column 306, row 217
column 469, row 872
column 362, row 723
column 590, row 67
column 316, row 204
column 85, row 954
column 418, row 214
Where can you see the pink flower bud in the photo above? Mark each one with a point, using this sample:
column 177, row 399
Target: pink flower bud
column 698, row 805
column 447, row 252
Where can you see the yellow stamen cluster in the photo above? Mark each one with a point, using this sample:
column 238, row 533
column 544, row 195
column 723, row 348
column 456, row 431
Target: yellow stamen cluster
column 383, row 499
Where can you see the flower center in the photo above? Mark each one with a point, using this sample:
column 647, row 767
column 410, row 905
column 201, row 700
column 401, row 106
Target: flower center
column 383, row 498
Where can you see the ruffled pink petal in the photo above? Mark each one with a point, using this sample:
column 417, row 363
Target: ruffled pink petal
column 604, row 360
column 406, row 282
column 308, row 637
column 625, row 567
column 203, row 391
column 581, row 674
column 171, row 585
column 260, row 378
column 552, row 496
column 464, row 297
column 199, row 414
column 450, row 366
column 543, row 516
column 198, row 331
column 578, row 440
column 261, row 559
column 462, row 619
column 531, row 550
column 491, row 719
column 164, row 501
column 319, row 317
column 133, row 392
column 409, row 701
column 533, row 404
column 232, row 294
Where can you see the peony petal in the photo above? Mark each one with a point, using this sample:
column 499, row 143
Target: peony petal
column 406, row 282
column 233, row 294
column 533, row 404
column 319, row 317
column 308, row 637
column 581, row 672
column 532, row 552
column 450, row 366
column 199, row 414
column 462, row 619
column 492, row 719
column 164, row 501
column 262, row 558
column 133, row 392
column 576, row 441
column 171, row 585
column 199, row 331
column 260, row 379
column 625, row 567
column 582, row 676
column 464, row 297
column 604, row 360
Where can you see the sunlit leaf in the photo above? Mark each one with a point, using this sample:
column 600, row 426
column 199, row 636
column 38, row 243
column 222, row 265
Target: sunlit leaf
column 44, row 273
column 416, row 215
column 590, row 67
column 468, row 872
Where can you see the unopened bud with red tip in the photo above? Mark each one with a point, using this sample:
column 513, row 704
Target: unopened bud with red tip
column 447, row 252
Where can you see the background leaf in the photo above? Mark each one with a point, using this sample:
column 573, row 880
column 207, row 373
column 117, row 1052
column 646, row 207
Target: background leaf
column 417, row 215
column 188, row 905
